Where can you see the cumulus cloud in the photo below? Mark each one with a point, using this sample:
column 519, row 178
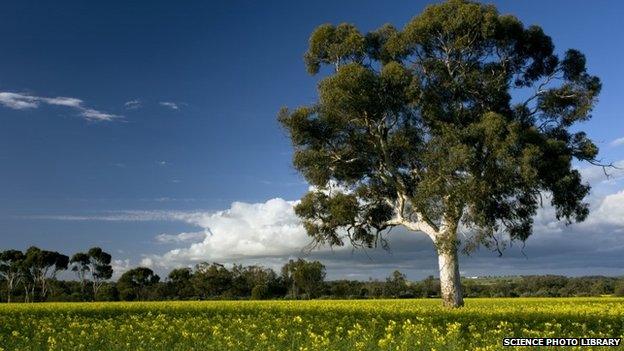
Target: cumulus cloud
column 269, row 233
column 120, row 267
column 22, row 101
column 146, row 262
column 610, row 211
column 244, row 231
column 169, row 104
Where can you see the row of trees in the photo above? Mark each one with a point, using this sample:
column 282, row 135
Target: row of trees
column 397, row 286
column 32, row 276
column 34, row 271
column 298, row 279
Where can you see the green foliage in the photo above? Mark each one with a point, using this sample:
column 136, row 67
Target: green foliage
column 396, row 284
column 304, row 276
column 619, row 288
column 334, row 45
column 11, row 263
column 135, row 283
column 431, row 124
column 260, row 292
column 101, row 268
column 38, row 268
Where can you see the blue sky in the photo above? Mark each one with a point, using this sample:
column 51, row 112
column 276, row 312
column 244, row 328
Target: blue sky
column 168, row 117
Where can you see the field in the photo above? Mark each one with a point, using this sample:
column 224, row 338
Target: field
column 304, row 325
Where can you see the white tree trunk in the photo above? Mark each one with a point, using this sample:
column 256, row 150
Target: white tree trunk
column 450, row 284
column 9, row 288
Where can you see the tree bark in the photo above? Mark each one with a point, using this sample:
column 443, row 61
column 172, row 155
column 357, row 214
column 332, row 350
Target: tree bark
column 450, row 283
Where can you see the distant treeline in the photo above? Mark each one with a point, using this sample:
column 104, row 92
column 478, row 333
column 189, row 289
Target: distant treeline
column 32, row 276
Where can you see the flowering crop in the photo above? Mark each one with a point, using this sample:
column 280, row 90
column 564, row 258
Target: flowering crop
column 304, row 325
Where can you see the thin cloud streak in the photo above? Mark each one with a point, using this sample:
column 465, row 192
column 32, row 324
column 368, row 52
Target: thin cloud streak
column 180, row 238
column 133, row 104
column 22, row 101
column 171, row 105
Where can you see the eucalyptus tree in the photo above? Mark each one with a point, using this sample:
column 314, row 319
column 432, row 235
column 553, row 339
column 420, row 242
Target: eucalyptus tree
column 100, row 268
column 135, row 283
column 10, row 264
column 39, row 267
column 462, row 120
column 80, row 263
column 180, row 283
column 211, row 279
column 307, row 276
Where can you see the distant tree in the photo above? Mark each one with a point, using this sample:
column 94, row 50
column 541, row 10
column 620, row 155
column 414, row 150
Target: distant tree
column 100, row 268
column 260, row 292
column 396, row 284
column 619, row 288
column 374, row 288
column 464, row 118
column 599, row 287
column 134, row 284
column 305, row 276
column 346, row 289
column 41, row 266
column 211, row 279
column 108, row 292
column 80, row 263
column 10, row 264
column 543, row 286
column 240, row 284
column 431, row 286
column 255, row 276
column 180, row 282
column 27, row 281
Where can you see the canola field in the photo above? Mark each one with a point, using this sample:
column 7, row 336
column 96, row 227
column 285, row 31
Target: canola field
column 305, row 325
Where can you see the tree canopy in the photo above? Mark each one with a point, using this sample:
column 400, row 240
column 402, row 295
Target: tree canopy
column 424, row 123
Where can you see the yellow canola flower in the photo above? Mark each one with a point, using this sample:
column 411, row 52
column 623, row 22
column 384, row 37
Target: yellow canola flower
column 415, row 324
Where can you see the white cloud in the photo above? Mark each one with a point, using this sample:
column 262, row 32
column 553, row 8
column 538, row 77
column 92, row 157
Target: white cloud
column 617, row 142
column 244, row 231
column 146, row 262
column 95, row 115
column 18, row 101
column 181, row 238
column 133, row 104
column 171, row 105
column 63, row 101
column 268, row 233
column 21, row 101
column 130, row 216
column 610, row 210
column 120, row 267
